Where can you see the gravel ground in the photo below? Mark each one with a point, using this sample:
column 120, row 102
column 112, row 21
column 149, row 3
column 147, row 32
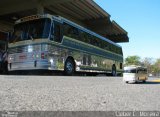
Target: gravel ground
column 59, row 93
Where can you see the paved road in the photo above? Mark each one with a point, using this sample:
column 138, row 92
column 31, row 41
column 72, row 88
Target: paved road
column 52, row 93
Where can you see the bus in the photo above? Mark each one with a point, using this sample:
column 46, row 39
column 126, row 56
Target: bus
column 135, row 74
column 3, row 52
column 47, row 42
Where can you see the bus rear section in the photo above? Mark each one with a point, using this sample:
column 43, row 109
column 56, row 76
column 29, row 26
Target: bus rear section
column 133, row 74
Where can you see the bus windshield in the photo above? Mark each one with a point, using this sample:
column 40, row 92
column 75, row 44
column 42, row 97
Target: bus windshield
column 130, row 71
column 29, row 30
column 135, row 70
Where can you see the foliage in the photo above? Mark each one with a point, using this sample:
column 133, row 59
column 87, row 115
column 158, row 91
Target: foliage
column 147, row 62
column 156, row 67
column 132, row 60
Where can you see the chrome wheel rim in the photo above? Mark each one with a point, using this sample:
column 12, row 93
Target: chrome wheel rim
column 69, row 67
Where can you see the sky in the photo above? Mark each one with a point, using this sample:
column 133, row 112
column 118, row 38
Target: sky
column 141, row 19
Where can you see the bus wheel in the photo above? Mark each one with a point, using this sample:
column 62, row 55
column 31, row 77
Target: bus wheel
column 5, row 68
column 114, row 72
column 127, row 82
column 69, row 67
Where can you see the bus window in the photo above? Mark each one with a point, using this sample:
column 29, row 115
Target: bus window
column 71, row 31
column 57, row 32
column 142, row 71
column 34, row 29
column 130, row 71
column 52, row 32
column 3, row 41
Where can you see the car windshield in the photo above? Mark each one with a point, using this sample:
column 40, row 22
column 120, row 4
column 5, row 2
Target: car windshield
column 30, row 30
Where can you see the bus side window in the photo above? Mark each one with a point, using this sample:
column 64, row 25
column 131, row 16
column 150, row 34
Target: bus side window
column 52, row 32
column 57, row 32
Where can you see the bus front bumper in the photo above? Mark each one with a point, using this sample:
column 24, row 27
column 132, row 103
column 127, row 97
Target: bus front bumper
column 32, row 65
column 129, row 79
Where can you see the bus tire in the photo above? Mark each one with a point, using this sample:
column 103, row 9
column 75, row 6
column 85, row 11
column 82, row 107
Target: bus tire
column 114, row 71
column 127, row 82
column 5, row 68
column 69, row 67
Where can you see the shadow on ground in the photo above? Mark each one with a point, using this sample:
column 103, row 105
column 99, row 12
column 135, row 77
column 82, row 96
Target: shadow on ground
column 149, row 82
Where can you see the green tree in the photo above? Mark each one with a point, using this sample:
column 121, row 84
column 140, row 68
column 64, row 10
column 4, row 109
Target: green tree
column 148, row 63
column 132, row 60
column 156, row 67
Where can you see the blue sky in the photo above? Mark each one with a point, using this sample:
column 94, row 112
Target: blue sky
column 141, row 19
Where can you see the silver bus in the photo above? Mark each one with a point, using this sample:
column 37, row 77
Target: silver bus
column 47, row 42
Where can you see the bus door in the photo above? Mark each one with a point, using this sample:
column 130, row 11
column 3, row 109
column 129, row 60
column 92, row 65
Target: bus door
column 87, row 60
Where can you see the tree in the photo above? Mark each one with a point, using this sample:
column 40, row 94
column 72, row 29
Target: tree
column 132, row 60
column 156, row 67
column 148, row 63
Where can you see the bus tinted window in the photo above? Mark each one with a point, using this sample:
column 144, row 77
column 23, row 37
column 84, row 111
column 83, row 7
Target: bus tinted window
column 57, row 32
column 130, row 71
column 3, row 40
column 71, row 31
column 33, row 29
column 88, row 38
column 142, row 71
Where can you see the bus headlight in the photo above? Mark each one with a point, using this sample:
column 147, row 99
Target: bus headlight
column 51, row 61
column 30, row 48
column 10, row 58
